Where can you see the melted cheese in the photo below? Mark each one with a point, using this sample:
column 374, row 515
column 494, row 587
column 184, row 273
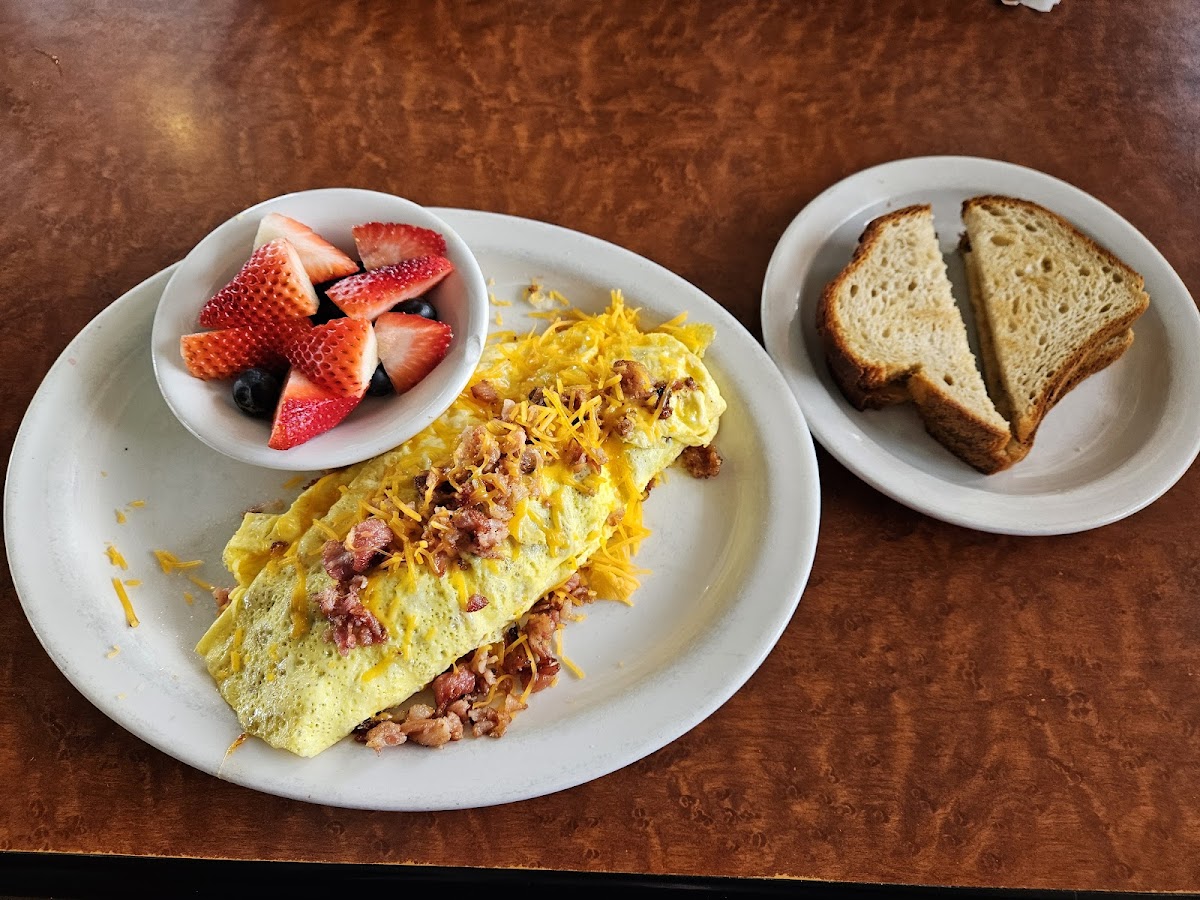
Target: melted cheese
column 583, row 507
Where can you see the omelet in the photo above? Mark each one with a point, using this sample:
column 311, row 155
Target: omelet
column 551, row 447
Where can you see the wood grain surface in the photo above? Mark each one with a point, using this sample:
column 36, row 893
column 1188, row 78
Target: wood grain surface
column 946, row 707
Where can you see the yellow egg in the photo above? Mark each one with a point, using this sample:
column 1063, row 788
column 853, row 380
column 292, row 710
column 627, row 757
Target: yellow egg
column 269, row 651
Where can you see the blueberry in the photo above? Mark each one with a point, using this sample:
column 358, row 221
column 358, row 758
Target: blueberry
column 380, row 385
column 418, row 306
column 256, row 391
column 326, row 309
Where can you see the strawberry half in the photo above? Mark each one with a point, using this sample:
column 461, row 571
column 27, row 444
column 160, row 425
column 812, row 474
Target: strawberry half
column 304, row 411
column 410, row 346
column 271, row 285
column 339, row 356
column 223, row 354
column 387, row 243
column 372, row 293
column 321, row 260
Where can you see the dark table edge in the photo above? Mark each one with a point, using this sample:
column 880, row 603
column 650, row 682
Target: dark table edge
column 45, row 874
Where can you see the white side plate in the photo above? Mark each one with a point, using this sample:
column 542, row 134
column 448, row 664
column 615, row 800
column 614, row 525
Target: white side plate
column 729, row 557
column 1109, row 448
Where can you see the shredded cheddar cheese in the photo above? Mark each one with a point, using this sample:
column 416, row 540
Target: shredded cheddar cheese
column 113, row 652
column 169, row 562
column 130, row 617
column 201, row 583
column 120, row 517
column 115, row 557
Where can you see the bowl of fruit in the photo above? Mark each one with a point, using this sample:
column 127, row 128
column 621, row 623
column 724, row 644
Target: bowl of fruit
column 319, row 328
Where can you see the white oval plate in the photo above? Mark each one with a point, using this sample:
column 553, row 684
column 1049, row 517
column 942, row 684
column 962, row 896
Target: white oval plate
column 206, row 408
column 729, row 557
column 1111, row 447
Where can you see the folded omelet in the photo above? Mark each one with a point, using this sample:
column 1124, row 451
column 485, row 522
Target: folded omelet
column 599, row 408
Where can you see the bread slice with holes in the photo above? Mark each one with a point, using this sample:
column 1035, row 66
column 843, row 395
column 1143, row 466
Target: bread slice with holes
column 1051, row 305
column 892, row 333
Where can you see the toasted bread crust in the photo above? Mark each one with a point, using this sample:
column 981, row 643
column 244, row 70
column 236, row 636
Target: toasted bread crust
column 1087, row 359
column 865, row 385
column 868, row 386
column 1104, row 357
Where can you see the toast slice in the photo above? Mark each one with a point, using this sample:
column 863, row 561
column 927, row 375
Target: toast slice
column 1051, row 305
column 892, row 332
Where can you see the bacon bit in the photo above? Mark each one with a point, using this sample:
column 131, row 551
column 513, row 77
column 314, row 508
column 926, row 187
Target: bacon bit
column 530, row 462
column 337, row 560
column 492, row 721
column 366, row 543
column 384, row 734
column 278, row 548
column 420, row 726
column 451, row 686
column 613, row 520
column 476, row 602
column 479, row 533
column 221, row 595
column 580, row 460
column 635, row 379
column 540, row 628
column 685, row 384
column 485, row 392
column 547, row 674
column 701, row 462
column 352, row 624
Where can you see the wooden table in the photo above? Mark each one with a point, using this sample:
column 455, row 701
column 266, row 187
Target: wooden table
column 946, row 707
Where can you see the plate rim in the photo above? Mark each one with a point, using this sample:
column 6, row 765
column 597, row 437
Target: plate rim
column 805, row 525
column 831, row 419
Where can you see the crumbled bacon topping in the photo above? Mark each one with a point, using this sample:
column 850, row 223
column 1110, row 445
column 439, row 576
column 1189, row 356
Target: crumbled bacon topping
column 351, row 624
column 452, row 685
column 337, row 560
column 484, row 689
column 635, row 379
column 476, row 602
column 421, row 726
column 701, row 462
column 484, row 391
column 221, row 596
column 367, row 542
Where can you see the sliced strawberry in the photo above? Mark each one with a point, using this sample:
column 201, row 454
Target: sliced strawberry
column 321, row 260
column 387, row 243
column 271, row 285
column 222, row 354
column 370, row 294
column 304, row 411
column 339, row 356
column 410, row 346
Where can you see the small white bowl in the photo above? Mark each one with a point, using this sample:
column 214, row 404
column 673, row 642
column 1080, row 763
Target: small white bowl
column 206, row 408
